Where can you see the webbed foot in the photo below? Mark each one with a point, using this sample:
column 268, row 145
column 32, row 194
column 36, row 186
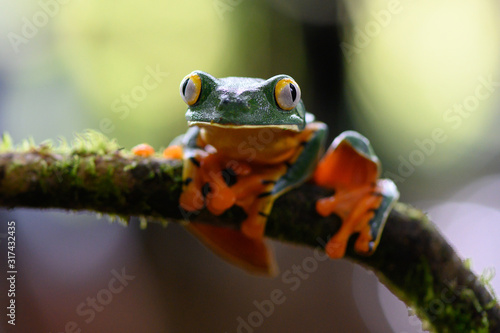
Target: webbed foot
column 361, row 200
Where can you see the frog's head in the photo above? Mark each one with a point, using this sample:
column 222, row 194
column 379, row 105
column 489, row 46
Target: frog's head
column 234, row 102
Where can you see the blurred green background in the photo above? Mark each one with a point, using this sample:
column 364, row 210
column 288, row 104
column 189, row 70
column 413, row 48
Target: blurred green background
column 420, row 79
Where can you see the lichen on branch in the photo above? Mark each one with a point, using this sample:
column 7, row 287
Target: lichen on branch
column 94, row 173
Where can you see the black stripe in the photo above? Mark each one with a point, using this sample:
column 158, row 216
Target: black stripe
column 262, row 214
column 195, row 161
column 229, row 176
column 205, row 189
column 265, row 182
column 188, row 180
column 264, row 194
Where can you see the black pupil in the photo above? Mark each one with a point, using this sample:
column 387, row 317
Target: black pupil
column 184, row 86
column 293, row 91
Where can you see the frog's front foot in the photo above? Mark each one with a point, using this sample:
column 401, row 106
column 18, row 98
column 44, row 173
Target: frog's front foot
column 143, row 150
column 173, row 152
column 205, row 184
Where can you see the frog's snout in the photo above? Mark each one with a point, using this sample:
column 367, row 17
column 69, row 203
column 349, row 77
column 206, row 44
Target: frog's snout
column 230, row 102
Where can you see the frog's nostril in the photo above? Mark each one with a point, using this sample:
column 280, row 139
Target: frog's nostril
column 229, row 102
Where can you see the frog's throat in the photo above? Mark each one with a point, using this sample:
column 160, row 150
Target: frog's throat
column 288, row 127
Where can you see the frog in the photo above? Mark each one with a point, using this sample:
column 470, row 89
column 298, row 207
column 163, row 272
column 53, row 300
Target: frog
column 251, row 140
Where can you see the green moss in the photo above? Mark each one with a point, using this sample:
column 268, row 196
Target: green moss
column 130, row 166
column 468, row 263
column 164, row 222
column 93, row 142
column 446, row 308
column 90, row 166
column 27, row 145
column 120, row 219
column 485, row 279
column 143, row 222
column 6, row 143
column 45, row 172
column 89, row 142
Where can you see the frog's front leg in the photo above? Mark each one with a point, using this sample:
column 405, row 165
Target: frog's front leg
column 203, row 182
column 205, row 177
column 218, row 195
column 361, row 200
column 254, row 194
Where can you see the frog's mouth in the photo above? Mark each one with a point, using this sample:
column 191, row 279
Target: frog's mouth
column 288, row 127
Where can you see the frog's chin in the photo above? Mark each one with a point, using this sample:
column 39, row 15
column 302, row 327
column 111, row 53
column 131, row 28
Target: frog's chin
column 288, row 127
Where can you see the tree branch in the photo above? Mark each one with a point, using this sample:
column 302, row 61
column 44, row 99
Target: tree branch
column 413, row 259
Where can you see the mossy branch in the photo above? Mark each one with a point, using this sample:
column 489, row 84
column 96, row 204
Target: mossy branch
column 413, row 259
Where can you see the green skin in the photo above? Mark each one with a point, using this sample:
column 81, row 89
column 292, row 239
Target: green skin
column 239, row 102
column 243, row 102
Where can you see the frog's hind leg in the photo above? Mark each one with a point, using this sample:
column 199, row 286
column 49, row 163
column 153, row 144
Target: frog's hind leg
column 253, row 255
column 361, row 200
column 243, row 248
column 192, row 196
column 356, row 221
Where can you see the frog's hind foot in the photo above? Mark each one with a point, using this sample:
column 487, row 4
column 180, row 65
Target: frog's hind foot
column 370, row 235
column 361, row 200
column 356, row 221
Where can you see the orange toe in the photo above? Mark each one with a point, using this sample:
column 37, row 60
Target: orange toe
column 335, row 249
column 253, row 231
column 254, row 226
column 191, row 199
column 221, row 198
column 173, row 152
column 143, row 150
column 324, row 206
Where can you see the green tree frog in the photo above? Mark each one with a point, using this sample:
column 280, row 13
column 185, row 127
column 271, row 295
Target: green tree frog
column 249, row 141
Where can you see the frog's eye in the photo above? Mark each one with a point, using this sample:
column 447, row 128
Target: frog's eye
column 191, row 88
column 287, row 94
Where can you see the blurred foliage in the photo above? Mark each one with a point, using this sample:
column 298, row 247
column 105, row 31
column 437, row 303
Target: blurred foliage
column 414, row 65
column 110, row 51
